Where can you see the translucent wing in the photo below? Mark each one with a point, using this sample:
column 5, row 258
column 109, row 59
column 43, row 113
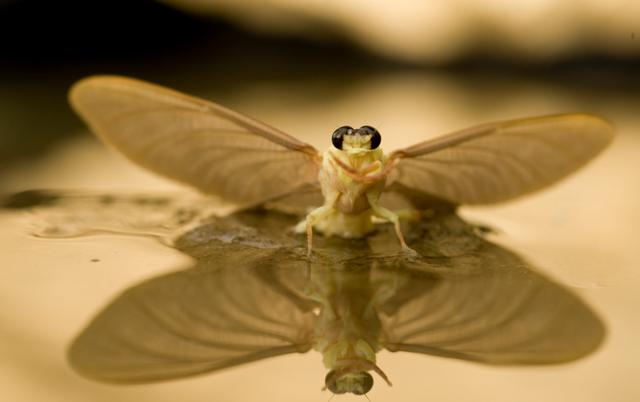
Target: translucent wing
column 192, row 322
column 498, row 161
column 300, row 202
column 194, row 141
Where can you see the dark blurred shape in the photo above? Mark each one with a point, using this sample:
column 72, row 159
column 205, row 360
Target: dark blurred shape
column 253, row 294
column 29, row 199
column 47, row 31
column 136, row 35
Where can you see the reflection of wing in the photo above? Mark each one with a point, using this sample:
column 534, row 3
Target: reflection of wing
column 192, row 322
column 197, row 142
column 486, row 306
column 498, row 161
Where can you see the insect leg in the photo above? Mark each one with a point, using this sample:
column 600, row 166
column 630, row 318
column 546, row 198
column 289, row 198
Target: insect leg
column 313, row 217
column 316, row 215
column 390, row 216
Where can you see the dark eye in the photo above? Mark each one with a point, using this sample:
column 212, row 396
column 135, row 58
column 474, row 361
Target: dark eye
column 331, row 383
column 338, row 135
column 375, row 135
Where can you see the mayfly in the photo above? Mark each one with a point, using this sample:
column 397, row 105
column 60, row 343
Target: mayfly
column 249, row 163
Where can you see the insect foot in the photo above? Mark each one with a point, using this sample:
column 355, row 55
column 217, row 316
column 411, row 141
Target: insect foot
column 409, row 252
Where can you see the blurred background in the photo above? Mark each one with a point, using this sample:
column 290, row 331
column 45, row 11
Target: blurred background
column 411, row 69
column 318, row 51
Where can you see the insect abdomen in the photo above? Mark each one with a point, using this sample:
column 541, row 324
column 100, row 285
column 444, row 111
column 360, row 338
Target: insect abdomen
column 349, row 206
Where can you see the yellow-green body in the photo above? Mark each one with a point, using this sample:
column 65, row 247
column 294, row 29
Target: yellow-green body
column 350, row 209
column 351, row 180
column 348, row 329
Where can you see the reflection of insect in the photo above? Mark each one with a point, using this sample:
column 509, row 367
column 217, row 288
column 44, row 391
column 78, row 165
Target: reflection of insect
column 253, row 297
column 250, row 163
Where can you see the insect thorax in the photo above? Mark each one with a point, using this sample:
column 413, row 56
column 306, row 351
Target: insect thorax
column 345, row 350
column 351, row 217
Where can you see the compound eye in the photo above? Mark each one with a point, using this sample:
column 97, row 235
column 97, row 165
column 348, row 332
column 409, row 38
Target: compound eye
column 375, row 135
column 338, row 135
column 332, row 384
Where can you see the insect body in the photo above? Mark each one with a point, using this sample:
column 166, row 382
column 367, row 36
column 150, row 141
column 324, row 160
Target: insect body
column 249, row 163
column 353, row 175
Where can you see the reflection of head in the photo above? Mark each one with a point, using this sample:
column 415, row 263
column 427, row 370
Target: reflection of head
column 352, row 376
column 339, row 382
